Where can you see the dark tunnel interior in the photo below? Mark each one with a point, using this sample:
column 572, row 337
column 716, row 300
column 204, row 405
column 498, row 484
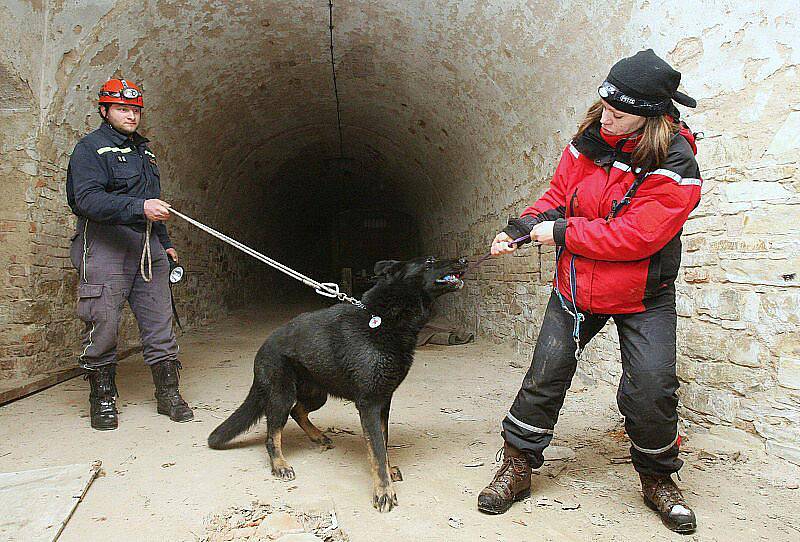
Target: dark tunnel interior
column 333, row 219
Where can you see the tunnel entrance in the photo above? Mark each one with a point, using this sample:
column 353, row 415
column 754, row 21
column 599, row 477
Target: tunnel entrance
column 391, row 158
column 362, row 236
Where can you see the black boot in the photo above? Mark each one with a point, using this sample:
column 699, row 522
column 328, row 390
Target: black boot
column 662, row 495
column 102, row 397
column 170, row 402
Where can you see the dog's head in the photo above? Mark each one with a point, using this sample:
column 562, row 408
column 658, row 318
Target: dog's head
column 434, row 276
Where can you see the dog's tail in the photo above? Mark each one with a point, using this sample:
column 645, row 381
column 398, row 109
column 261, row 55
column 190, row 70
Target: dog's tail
column 242, row 419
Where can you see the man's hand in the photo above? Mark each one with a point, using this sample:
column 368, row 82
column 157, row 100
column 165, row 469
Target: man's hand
column 172, row 253
column 156, row 210
column 543, row 233
column 502, row 244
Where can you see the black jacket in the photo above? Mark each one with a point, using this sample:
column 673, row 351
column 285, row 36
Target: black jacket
column 109, row 177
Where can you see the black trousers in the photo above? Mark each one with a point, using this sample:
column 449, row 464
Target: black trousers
column 646, row 396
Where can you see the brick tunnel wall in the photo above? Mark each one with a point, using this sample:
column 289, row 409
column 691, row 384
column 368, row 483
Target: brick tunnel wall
column 518, row 86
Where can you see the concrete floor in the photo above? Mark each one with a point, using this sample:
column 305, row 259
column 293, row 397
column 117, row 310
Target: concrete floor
column 161, row 481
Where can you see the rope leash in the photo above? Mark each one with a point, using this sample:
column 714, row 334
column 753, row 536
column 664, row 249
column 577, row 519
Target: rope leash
column 326, row 289
column 147, row 258
column 329, row 289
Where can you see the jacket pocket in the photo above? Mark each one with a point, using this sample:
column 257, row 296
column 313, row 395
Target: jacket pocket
column 124, row 175
column 91, row 302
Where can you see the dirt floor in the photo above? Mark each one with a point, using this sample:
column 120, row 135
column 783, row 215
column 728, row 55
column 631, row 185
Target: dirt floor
column 162, row 483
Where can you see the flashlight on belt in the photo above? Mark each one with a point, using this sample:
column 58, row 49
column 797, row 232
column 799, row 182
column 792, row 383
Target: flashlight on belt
column 175, row 272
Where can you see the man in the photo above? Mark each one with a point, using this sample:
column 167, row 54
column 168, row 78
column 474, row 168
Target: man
column 120, row 250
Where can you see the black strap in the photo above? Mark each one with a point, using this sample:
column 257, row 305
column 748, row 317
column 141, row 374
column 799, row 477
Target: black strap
column 174, row 310
column 616, row 206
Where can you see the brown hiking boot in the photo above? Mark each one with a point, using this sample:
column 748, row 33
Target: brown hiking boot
column 662, row 495
column 511, row 483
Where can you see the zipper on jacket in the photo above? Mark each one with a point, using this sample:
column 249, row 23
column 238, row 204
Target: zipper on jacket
column 144, row 172
column 603, row 191
column 572, row 203
column 610, row 167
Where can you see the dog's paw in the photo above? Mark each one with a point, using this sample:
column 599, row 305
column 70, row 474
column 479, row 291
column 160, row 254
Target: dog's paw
column 325, row 443
column 284, row 472
column 384, row 499
column 395, row 474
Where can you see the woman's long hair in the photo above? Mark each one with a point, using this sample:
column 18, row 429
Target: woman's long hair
column 653, row 145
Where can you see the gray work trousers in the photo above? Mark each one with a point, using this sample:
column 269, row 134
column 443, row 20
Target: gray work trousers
column 107, row 257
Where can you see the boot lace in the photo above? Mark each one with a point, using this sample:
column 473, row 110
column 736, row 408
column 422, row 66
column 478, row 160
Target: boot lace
column 509, row 467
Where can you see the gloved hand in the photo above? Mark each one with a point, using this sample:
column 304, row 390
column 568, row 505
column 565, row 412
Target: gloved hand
column 520, row 227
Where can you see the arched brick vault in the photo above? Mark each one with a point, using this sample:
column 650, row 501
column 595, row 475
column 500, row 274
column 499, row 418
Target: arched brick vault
column 452, row 112
column 429, row 103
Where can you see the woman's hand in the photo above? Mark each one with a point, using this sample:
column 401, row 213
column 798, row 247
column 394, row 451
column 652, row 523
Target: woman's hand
column 502, row 244
column 543, row 233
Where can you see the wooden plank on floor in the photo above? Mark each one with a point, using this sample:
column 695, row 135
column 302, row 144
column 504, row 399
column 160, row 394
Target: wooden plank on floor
column 37, row 504
column 13, row 389
column 17, row 388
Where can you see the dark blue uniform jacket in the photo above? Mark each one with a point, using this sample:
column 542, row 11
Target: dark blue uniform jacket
column 109, row 177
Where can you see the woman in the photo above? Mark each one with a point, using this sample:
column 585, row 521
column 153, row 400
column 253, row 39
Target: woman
column 615, row 208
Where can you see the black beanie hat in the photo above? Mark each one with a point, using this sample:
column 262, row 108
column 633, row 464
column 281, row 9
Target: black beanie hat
column 645, row 85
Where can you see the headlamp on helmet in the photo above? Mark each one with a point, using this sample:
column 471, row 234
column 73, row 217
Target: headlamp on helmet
column 120, row 91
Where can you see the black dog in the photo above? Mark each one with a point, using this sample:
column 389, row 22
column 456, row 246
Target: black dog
column 339, row 351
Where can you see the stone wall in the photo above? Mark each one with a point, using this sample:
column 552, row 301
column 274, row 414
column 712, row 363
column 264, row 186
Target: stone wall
column 457, row 111
column 23, row 315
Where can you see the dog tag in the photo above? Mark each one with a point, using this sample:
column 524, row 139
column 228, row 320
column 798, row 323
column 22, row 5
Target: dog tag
column 374, row 322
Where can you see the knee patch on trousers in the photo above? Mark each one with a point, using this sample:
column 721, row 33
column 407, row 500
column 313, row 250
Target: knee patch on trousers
column 650, row 400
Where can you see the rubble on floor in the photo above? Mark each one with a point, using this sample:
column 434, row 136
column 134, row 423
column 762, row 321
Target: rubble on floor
column 262, row 522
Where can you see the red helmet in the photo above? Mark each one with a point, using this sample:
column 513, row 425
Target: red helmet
column 120, row 91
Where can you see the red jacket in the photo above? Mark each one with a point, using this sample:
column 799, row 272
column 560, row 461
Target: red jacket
column 622, row 261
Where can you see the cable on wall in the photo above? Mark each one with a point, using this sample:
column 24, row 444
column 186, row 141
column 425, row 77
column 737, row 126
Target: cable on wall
column 335, row 86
